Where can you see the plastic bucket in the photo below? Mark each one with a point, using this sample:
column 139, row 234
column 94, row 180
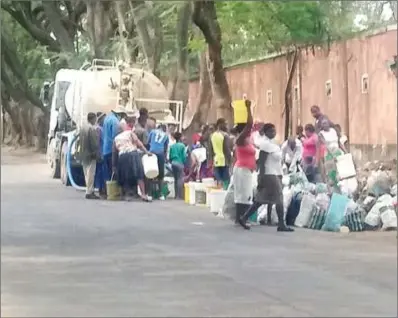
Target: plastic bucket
column 209, row 182
column 186, row 193
column 200, row 194
column 150, row 164
column 170, row 186
column 113, row 190
column 217, row 198
column 191, row 193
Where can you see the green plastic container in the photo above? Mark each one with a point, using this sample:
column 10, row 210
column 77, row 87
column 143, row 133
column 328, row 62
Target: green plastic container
column 253, row 218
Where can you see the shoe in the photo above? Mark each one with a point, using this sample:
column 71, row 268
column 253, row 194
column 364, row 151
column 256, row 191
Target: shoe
column 162, row 198
column 244, row 224
column 92, row 196
column 284, row 229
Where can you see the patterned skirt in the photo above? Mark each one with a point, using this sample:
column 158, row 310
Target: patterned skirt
column 271, row 191
column 130, row 169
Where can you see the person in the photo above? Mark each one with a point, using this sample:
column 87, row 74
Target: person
column 198, row 135
column 141, row 130
column 300, row 133
column 151, row 124
column 309, row 161
column 269, row 189
column 100, row 173
column 329, row 139
column 171, row 129
column 343, row 138
column 126, row 161
column 319, row 117
column 90, row 153
column 178, row 158
column 158, row 141
column 292, row 153
column 110, row 129
column 245, row 164
column 220, row 153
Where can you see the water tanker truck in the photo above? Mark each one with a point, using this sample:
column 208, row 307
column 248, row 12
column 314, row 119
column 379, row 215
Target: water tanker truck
column 99, row 86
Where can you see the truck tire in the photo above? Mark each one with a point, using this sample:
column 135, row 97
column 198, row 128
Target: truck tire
column 63, row 170
column 55, row 171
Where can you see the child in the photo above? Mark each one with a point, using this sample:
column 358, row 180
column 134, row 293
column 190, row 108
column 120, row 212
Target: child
column 177, row 158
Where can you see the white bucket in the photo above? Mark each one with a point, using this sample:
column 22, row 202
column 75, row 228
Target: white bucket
column 216, row 198
column 200, row 187
column 150, row 164
column 192, row 192
column 209, row 182
column 170, row 185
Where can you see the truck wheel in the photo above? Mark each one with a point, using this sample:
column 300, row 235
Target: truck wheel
column 64, row 171
column 55, row 171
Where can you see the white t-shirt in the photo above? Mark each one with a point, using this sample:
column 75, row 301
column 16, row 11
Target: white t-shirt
column 331, row 139
column 290, row 155
column 343, row 139
column 273, row 164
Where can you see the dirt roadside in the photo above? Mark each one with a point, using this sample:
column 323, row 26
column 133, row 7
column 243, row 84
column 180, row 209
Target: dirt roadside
column 20, row 155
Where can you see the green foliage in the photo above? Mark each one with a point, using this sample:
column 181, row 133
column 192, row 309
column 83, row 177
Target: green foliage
column 30, row 53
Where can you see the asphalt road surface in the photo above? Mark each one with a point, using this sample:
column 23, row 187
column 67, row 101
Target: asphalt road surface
column 64, row 256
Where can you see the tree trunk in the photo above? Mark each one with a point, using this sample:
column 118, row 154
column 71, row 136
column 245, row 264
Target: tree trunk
column 99, row 26
column 120, row 7
column 146, row 24
column 203, row 103
column 61, row 33
column 292, row 59
column 13, row 121
column 205, row 17
column 181, row 88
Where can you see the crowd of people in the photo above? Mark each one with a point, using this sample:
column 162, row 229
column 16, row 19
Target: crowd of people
column 112, row 146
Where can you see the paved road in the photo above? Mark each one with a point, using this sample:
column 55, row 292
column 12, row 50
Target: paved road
column 64, row 256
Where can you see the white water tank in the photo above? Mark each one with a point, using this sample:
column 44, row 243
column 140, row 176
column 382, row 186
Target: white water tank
column 90, row 91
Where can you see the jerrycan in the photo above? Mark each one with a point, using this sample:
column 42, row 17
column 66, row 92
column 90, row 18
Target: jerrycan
column 240, row 111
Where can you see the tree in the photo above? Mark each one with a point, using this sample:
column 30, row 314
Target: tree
column 205, row 18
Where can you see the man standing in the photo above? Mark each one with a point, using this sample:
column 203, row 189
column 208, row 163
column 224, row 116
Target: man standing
column 220, row 153
column 319, row 118
column 111, row 128
column 141, row 126
column 158, row 144
column 100, row 169
column 90, row 153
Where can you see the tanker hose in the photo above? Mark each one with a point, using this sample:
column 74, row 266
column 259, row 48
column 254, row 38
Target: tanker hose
column 69, row 165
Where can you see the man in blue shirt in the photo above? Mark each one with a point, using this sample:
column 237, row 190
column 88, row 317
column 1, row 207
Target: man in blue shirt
column 110, row 129
column 158, row 142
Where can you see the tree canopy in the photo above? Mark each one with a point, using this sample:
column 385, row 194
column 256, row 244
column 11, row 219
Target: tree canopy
column 167, row 38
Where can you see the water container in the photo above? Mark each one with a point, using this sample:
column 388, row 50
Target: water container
column 170, row 185
column 200, row 194
column 192, row 187
column 209, row 182
column 345, row 166
column 240, row 112
column 186, row 193
column 217, row 198
column 150, row 164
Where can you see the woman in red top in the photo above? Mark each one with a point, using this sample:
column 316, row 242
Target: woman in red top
column 245, row 164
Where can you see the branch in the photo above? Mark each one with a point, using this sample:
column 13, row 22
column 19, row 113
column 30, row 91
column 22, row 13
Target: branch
column 36, row 32
column 55, row 18
column 204, row 16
